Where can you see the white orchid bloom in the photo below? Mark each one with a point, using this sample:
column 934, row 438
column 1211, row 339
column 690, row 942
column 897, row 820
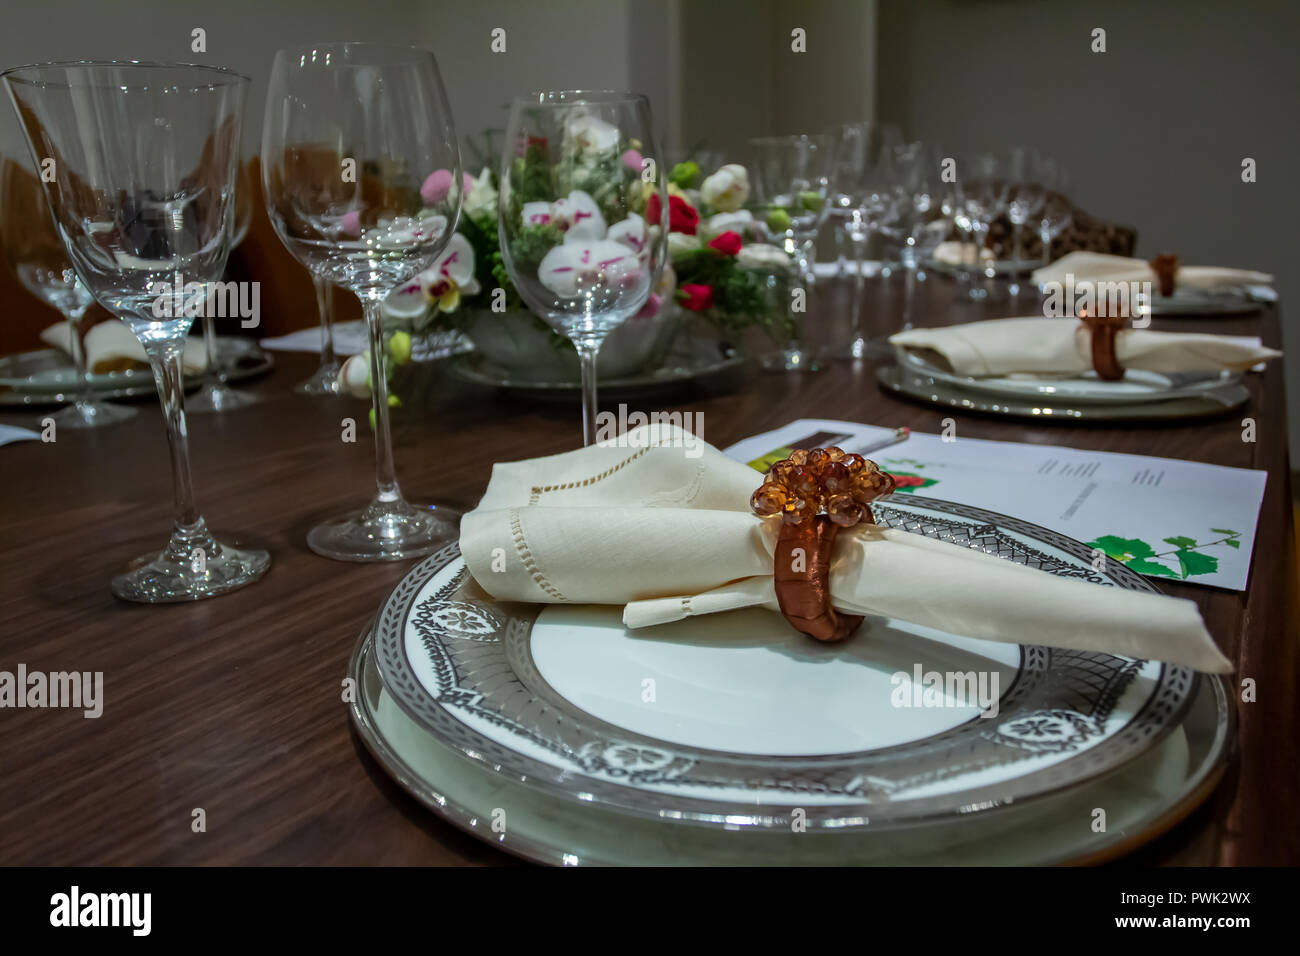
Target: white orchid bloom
column 588, row 135
column 537, row 213
column 588, row 266
column 579, row 217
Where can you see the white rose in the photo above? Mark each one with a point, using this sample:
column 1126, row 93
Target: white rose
column 761, row 257
column 679, row 243
column 727, row 189
column 354, row 376
column 740, row 222
column 482, row 197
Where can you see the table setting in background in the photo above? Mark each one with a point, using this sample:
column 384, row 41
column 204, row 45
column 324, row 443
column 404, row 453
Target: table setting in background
column 925, row 524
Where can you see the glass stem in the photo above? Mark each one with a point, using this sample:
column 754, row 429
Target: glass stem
column 909, row 294
column 325, row 305
column 213, row 374
column 385, row 472
column 78, row 348
column 1016, row 255
column 1045, row 237
column 859, row 284
column 165, row 360
column 588, row 352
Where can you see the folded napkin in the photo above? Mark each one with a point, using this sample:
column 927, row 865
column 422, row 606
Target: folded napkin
column 112, row 347
column 1100, row 267
column 1064, row 347
column 953, row 253
column 663, row 527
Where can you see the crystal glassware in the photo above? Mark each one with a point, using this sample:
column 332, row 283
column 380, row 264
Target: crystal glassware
column 215, row 394
column 1025, row 192
column 362, row 178
column 144, row 157
column 922, row 225
column 864, row 183
column 793, row 181
column 983, row 188
column 1057, row 213
column 325, row 380
column 35, row 253
column 583, row 216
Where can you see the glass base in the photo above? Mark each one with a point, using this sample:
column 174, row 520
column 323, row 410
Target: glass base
column 861, row 348
column 192, row 567
column 324, row 381
column 91, row 415
column 789, row 360
column 218, row 398
column 386, row 531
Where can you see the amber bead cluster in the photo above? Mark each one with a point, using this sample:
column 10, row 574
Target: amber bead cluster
column 809, row 482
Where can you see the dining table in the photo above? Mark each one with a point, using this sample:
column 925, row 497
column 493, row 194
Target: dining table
column 225, row 735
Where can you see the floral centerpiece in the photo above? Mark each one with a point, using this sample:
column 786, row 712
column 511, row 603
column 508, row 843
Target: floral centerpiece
column 721, row 269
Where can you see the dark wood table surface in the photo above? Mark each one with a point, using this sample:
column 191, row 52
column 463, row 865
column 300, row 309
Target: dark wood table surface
column 233, row 705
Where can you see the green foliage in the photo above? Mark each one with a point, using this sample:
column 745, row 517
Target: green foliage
column 1136, row 554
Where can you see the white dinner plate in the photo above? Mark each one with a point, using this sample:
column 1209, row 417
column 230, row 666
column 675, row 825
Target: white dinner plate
column 737, row 721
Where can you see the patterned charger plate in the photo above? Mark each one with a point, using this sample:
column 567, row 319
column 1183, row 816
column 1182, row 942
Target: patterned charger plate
column 735, row 721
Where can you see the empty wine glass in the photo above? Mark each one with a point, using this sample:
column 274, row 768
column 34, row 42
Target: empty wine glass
column 215, row 395
column 35, row 253
column 361, row 173
column 1025, row 193
column 1057, row 213
column 922, row 225
column 325, row 380
column 144, row 158
column 983, row 187
column 865, row 184
column 583, row 216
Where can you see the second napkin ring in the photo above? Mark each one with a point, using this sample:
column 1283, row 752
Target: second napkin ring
column 1103, row 329
column 816, row 493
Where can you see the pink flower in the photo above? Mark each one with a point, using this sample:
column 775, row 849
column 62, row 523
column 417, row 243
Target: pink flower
column 352, row 223
column 728, row 243
column 651, row 307
column 632, row 160
column 436, row 187
column 695, row 297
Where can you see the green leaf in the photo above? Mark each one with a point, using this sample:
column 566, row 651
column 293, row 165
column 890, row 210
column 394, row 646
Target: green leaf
column 1182, row 542
column 1224, row 531
column 1143, row 566
column 1193, row 562
column 1233, row 543
column 1123, row 549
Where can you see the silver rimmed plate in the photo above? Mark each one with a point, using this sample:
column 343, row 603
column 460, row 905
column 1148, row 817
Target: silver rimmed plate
column 737, row 721
column 1142, row 801
column 46, row 376
column 1135, row 388
column 926, row 388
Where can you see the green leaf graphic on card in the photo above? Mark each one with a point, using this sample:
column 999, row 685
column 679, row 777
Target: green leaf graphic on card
column 1186, row 559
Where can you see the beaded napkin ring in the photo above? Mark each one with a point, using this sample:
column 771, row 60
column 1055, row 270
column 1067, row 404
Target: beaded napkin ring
column 816, row 492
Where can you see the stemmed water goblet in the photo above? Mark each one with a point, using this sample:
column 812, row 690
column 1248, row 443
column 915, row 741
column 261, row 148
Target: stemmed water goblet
column 1025, row 193
column 1057, row 213
column 362, row 179
column 983, row 188
column 215, row 395
column 793, row 183
column 35, row 253
column 922, row 225
column 144, row 158
column 583, row 216
column 325, row 380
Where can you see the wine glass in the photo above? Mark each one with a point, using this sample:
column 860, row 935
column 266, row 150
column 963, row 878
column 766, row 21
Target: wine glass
column 362, row 179
column 1057, row 213
column 583, row 216
column 793, row 182
column 1024, row 204
column 922, row 225
column 35, row 253
column 144, row 158
column 865, row 183
column 215, row 395
column 325, row 380
column 983, row 188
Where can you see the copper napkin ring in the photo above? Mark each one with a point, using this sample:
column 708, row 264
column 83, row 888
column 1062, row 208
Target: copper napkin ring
column 1103, row 329
column 816, row 493
column 1165, row 266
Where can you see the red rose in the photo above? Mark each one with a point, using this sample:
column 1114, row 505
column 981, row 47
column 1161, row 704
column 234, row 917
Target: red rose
column 728, row 243
column 697, row 298
column 907, row 481
column 681, row 217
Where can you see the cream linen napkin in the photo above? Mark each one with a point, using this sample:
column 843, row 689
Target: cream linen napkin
column 663, row 527
column 111, row 343
column 1064, row 347
column 1099, row 267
